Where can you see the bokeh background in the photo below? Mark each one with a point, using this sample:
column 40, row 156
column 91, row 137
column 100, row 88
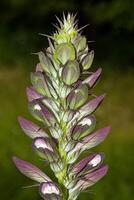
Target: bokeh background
column 112, row 29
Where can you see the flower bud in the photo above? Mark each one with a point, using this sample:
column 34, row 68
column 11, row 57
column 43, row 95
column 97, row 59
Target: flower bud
column 50, row 191
column 47, row 64
column 87, row 165
column 42, row 113
column 39, row 82
column 88, row 60
column 45, row 148
column 70, row 72
column 65, row 52
column 80, row 43
column 32, row 94
column 83, row 127
column 78, row 97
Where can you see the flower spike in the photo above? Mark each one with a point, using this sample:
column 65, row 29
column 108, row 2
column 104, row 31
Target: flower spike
column 61, row 99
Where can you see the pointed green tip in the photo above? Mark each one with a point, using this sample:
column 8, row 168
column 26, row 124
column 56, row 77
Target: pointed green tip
column 67, row 29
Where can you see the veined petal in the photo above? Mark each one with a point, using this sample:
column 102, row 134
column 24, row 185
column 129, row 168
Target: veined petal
column 32, row 94
column 42, row 113
column 91, row 106
column 87, row 143
column 95, row 138
column 88, row 163
column 31, row 129
column 94, row 176
column 91, row 80
column 89, row 179
column 30, row 170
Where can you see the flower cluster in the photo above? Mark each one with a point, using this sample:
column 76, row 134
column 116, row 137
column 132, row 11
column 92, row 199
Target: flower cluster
column 61, row 99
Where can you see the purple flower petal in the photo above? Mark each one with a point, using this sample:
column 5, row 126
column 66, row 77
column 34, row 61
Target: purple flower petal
column 95, row 176
column 87, row 143
column 39, row 68
column 95, row 138
column 91, row 106
column 90, row 179
column 91, row 80
column 87, row 163
column 32, row 94
column 31, row 129
column 30, row 170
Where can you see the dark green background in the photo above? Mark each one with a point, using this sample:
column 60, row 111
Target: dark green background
column 112, row 29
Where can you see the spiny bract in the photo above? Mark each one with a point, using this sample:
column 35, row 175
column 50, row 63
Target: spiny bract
column 61, row 99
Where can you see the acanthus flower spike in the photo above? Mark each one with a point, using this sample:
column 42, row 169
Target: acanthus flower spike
column 59, row 100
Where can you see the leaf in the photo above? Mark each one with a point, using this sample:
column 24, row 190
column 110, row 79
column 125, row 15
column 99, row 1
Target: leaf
column 30, row 170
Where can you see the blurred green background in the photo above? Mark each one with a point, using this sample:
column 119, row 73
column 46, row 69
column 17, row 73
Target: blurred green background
column 112, row 29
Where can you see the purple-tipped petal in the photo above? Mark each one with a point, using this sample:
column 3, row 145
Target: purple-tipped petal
column 91, row 80
column 42, row 113
column 31, row 129
column 87, row 143
column 32, row 94
column 95, row 176
column 91, row 106
column 42, row 143
column 90, row 179
column 45, row 148
column 30, row 170
column 84, row 127
column 88, row 163
column 50, row 191
column 95, row 138
column 39, row 68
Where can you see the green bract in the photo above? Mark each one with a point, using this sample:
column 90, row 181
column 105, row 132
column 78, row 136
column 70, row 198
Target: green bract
column 64, row 52
column 70, row 72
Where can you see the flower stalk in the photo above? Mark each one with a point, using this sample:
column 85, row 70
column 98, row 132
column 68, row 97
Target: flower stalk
column 61, row 99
